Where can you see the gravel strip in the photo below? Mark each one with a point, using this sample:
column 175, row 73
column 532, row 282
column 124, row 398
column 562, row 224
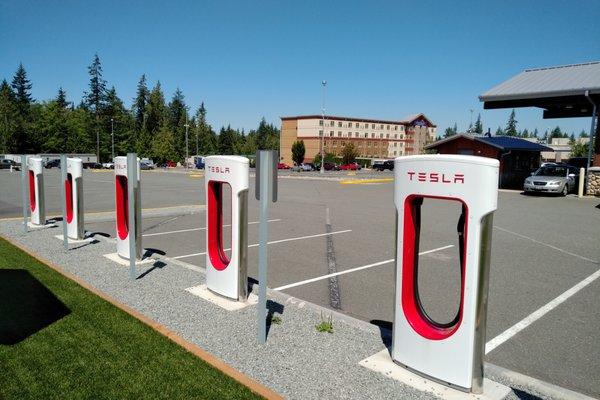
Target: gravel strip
column 297, row 361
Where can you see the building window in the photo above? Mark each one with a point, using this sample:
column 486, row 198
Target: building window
column 340, row 134
column 339, row 124
column 388, row 127
column 381, row 135
column 330, row 134
column 395, row 127
column 321, row 132
column 394, row 152
column 320, row 122
column 356, row 125
column 334, row 143
column 356, row 134
column 387, row 136
column 369, row 144
column 395, row 136
column 372, row 136
column 366, row 135
column 332, row 123
column 372, row 126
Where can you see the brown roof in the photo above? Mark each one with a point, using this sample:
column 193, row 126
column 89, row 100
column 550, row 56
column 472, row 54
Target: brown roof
column 354, row 119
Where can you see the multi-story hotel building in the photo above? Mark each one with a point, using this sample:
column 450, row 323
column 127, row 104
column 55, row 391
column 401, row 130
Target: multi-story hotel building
column 374, row 139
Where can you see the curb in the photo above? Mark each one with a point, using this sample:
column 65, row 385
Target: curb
column 213, row 361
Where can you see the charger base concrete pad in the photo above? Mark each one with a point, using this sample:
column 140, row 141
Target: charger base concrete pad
column 116, row 258
column 45, row 226
column 382, row 363
column 227, row 304
column 75, row 241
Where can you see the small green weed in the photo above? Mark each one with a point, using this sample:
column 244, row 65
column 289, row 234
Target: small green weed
column 326, row 324
column 276, row 320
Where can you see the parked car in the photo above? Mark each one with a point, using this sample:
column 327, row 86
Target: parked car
column 283, row 166
column 329, row 166
column 350, row 167
column 92, row 165
column 52, row 164
column 145, row 165
column 200, row 163
column 302, row 167
column 380, row 166
column 558, row 179
column 168, row 164
column 108, row 165
column 6, row 164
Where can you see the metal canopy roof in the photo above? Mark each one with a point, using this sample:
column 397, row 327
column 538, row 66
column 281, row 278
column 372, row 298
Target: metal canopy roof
column 560, row 91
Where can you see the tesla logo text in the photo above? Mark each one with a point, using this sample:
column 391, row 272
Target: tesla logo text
column 219, row 170
column 435, row 177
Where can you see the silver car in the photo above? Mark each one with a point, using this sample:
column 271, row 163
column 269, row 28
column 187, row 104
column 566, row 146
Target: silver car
column 558, row 179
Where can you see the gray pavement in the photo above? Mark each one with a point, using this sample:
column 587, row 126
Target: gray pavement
column 542, row 246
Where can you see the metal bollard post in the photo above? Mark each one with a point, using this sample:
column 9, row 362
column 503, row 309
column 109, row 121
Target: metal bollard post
column 266, row 191
column 131, row 196
column 581, row 182
column 24, row 190
column 63, row 196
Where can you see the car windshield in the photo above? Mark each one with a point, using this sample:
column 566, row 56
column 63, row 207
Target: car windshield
column 551, row 170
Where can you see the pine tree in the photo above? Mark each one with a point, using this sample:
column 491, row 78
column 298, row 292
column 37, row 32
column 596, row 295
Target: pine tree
column 511, row 125
column 583, row 134
column 478, row 128
column 96, row 96
column 157, row 110
column 499, row 132
column 178, row 120
column 9, row 118
column 525, row 133
column 61, row 98
column 21, row 88
column 227, row 141
column 206, row 137
column 451, row 131
column 140, row 103
column 262, row 134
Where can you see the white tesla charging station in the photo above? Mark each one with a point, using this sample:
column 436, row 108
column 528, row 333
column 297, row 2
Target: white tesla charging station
column 37, row 203
column 227, row 276
column 451, row 353
column 122, row 208
column 74, row 199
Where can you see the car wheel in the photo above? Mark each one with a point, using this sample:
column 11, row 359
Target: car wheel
column 565, row 190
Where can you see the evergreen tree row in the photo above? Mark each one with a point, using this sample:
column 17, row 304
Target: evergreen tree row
column 151, row 127
column 511, row 130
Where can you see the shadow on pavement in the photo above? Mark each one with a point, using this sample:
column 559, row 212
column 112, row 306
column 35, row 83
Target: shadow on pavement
column 26, row 306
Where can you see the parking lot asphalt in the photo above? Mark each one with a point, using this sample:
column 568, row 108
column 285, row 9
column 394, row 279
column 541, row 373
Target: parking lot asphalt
column 542, row 247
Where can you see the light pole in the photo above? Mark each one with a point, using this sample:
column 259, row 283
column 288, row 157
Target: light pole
column 112, row 136
column 324, row 83
column 187, row 155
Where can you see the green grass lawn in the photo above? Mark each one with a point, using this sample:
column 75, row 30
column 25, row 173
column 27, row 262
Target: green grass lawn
column 58, row 340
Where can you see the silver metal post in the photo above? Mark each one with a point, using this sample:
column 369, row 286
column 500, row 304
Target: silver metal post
column 131, row 199
column 24, row 190
column 187, row 153
column 266, row 177
column 112, row 135
column 592, row 129
column 324, row 83
column 63, row 196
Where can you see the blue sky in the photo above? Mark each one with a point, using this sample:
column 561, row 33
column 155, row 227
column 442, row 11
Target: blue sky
column 248, row 59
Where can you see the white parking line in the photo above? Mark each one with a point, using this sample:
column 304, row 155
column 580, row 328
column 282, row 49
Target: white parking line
column 273, row 242
column 311, row 280
column 539, row 313
column 546, row 244
column 200, row 229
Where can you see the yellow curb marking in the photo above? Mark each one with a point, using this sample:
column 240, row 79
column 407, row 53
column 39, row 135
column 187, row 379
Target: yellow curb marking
column 363, row 181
